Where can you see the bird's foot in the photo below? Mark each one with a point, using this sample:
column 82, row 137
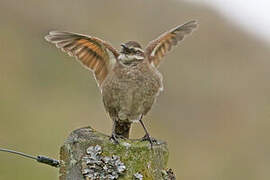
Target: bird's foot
column 115, row 138
column 148, row 138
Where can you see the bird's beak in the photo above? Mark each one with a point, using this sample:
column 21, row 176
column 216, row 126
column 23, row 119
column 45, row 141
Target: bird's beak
column 124, row 46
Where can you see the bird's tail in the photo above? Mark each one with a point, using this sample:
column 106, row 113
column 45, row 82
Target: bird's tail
column 121, row 128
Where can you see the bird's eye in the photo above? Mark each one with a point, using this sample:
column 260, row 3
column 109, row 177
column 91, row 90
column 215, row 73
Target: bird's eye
column 127, row 50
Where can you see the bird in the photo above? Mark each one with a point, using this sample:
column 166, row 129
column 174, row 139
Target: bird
column 129, row 80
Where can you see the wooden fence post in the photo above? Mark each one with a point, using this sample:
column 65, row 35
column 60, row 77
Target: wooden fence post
column 88, row 154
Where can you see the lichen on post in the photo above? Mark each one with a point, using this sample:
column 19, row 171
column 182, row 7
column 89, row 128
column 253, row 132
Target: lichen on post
column 88, row 154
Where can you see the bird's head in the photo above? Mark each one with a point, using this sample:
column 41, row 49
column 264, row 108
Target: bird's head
column 131, row 53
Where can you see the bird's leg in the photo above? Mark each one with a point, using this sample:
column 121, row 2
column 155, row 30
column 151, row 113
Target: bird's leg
column 147, row 136
column 120, row 130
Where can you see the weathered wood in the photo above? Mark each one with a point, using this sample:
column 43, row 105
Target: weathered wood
column 88, row 154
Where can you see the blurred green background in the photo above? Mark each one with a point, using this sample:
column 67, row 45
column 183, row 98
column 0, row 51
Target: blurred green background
column 214, row 112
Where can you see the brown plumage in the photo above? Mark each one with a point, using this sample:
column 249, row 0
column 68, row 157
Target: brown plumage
column 129, row 80
column 92, row 52
column 159, row 47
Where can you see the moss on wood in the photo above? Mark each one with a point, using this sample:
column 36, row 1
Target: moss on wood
column 137, row 156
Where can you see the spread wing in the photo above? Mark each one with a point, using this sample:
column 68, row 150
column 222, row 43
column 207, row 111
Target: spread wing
column 159, row 47
column 92, row 52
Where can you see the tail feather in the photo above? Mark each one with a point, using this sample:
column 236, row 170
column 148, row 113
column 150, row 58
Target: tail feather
column 121, row 128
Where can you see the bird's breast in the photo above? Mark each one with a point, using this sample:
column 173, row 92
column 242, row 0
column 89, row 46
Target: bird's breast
column 139, row 77
column 131, row 91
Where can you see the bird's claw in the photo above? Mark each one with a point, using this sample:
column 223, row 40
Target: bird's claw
column 115, row 138
column 148, row 138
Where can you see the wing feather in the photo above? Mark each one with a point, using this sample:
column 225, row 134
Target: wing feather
column 158, row 48
column 92, row 52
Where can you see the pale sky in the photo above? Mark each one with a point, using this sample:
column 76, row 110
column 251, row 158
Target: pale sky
column 252, row 15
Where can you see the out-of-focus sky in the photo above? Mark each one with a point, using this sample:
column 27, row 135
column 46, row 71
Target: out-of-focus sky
column 253, row 16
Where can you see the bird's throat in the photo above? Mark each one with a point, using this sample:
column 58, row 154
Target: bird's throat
column 128, row 59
